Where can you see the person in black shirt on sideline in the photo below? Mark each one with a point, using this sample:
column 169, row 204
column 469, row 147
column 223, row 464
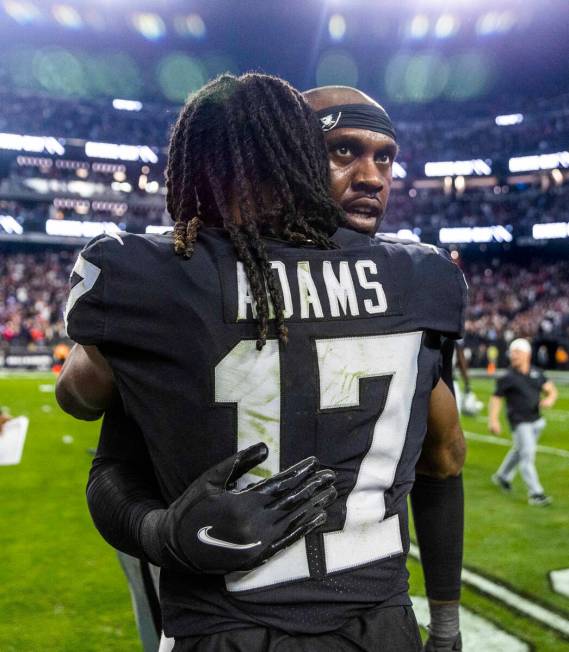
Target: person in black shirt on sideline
column 522, row 387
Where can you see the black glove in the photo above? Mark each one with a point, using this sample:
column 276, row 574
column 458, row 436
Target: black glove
column 215, row 528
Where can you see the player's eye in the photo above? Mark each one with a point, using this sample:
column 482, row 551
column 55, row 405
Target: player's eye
column 383, row 159
column 343, row 151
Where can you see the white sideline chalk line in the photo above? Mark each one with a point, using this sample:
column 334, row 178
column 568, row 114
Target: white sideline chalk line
column 560, row 581
column 510, row 598
column 477, row 632
column 501, row 441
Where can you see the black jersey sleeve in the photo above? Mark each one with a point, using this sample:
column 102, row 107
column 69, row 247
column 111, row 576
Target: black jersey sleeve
column 122, row 487
column 85, row 309
column 440, row 290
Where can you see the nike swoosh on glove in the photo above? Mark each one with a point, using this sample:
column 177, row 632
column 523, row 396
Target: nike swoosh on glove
column 215, row 528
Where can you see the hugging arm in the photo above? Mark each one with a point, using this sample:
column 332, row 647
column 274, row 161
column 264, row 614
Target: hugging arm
column 85, row 385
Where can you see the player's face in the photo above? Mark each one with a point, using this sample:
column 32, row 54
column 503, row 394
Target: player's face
column 360, row 167
column 519, row 358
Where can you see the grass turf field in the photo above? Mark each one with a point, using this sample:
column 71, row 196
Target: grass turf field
column 62, row 589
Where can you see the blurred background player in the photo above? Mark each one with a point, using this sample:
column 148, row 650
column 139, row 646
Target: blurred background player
column 522, row 388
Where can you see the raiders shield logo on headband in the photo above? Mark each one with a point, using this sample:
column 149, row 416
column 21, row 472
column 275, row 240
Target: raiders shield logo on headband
column 328, row 122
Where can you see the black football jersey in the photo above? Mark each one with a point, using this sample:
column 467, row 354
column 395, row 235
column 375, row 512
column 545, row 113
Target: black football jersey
column 352, row 387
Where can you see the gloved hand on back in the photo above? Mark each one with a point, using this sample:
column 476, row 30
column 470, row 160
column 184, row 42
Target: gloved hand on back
column 215, row 528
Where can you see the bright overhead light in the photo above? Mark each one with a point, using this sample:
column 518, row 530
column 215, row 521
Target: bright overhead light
column 446, row 26
column 127, row 105
column 337, row 27
column 399, row 172
column 10, row 225
column 149, row 25
column 75, row 228
column 550, row 231
column 476, row 167
column 509, row 119
column 67, row 16
column 35, row 144
column 419, row 26
column 467, row 234
column 158, row 228
column 557, row 176
column 113, row 151
column 539, row 162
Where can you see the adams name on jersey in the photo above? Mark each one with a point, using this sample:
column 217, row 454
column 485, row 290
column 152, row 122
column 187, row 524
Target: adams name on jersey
column 352, row 387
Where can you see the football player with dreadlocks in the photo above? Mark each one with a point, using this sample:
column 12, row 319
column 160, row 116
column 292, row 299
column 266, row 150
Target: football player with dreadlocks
column 346, row 371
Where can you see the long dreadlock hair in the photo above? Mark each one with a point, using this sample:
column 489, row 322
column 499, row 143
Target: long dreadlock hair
column 247, row 154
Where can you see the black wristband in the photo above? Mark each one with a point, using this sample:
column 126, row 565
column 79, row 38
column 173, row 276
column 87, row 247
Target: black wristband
column 438, row 512
column 150, row 539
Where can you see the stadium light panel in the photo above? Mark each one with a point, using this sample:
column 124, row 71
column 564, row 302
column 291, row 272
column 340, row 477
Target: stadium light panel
column 120, row 152
column 153, row 228
column 474, row 234
column 399, row 172
column 127, row 105
column 509, row 119
column 10, row 225
column 78, row 229
column 539, row 162
column 551, row 231
column 475, row 167
column 36, row 144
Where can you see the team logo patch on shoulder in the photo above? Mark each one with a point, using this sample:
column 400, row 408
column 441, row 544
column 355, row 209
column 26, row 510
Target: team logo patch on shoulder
column 328, row 122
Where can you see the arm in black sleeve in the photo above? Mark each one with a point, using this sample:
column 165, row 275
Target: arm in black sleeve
column 122, row 488
column 438, row 512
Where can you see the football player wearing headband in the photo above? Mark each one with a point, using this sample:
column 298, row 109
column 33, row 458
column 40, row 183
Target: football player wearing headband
column 362, row 145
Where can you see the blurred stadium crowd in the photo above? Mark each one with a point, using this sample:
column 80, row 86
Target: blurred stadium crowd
column 506, row 301
column 545, row 126
column 57, row 182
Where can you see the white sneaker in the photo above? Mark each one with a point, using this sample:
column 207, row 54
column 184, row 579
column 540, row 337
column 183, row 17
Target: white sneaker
column 540, row 500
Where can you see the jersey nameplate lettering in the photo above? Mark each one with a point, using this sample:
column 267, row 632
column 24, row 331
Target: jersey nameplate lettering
column 314, row 290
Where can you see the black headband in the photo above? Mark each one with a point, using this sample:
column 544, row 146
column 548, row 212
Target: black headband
column 356, row 116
